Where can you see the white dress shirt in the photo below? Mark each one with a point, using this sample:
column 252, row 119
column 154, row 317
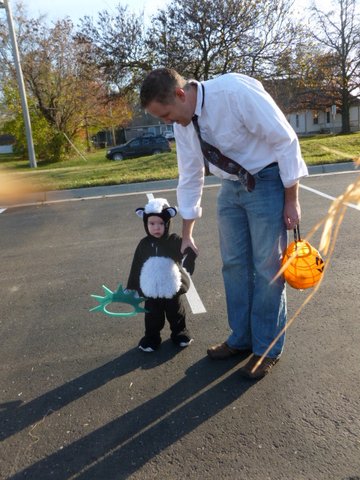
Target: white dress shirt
column 242, row 120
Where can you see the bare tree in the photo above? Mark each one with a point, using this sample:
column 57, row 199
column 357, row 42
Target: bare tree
column 115, row 45
column 203, row 38
column 275, row 34
column 305, row 80
column 338, row 32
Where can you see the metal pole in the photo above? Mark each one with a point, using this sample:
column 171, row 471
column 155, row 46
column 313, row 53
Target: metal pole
column 20, row 79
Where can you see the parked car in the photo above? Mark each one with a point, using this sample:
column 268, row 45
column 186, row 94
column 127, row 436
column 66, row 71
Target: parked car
column 139, row 147
column 169, row 135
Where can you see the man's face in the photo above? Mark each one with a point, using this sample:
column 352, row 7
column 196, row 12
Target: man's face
column 179, row 111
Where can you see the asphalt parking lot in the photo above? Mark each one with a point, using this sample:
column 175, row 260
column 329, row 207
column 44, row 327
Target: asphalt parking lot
column 80, row 401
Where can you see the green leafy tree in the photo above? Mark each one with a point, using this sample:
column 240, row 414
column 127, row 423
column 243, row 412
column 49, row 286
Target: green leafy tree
column 67, row 95
column 59, row 82
column 46, row 139
column 105, row 110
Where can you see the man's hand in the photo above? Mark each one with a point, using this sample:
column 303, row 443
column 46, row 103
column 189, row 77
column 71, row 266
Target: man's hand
column 187, row 238
column 292, row 210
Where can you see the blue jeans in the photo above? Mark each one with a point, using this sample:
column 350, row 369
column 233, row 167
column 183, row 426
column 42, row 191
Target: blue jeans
column 252, row 238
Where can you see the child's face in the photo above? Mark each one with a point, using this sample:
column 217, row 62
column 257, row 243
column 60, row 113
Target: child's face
column 156, row 226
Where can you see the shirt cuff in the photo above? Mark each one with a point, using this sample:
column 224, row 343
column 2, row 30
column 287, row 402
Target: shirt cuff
column 190, row 213
column 291, row 183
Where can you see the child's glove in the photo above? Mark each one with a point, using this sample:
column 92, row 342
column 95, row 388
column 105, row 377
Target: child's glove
column 189, row 260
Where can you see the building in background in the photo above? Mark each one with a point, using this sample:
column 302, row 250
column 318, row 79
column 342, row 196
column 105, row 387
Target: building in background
column 323, row 119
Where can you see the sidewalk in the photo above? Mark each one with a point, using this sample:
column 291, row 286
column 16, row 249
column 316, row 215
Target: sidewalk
column 132, row 188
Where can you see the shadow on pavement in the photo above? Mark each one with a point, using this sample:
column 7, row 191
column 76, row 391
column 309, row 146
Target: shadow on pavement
column 15, row 416
column 124, row 445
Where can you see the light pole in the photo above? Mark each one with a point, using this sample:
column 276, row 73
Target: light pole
column 20, row 79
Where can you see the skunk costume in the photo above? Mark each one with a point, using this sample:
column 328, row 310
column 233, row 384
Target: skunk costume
column 157, row 274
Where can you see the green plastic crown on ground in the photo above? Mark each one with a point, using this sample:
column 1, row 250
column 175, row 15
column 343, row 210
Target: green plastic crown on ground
column 119, row 296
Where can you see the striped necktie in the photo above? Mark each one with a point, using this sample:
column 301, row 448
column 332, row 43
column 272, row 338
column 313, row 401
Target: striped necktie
column 216, row 158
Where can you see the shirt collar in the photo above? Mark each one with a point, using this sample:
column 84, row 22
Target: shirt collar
column 199, row 97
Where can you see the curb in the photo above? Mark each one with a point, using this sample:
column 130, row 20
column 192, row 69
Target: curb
column 57, row 196
column 332, row 168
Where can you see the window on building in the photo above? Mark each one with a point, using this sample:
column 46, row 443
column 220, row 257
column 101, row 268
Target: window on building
column 297, row 123
column 327, row 117
column 315, row 118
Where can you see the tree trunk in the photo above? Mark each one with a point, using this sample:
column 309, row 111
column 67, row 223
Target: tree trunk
column 345, row 112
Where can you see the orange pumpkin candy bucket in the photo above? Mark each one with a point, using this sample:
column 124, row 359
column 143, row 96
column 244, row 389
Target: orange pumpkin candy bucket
column 305, row 265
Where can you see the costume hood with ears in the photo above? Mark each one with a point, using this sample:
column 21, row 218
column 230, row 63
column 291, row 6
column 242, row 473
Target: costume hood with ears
column 157, row 207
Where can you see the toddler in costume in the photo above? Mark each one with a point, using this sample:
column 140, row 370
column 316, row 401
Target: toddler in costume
column 158, row 274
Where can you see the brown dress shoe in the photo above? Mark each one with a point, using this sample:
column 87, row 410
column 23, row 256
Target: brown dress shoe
column 222, row 351
column 249, row 370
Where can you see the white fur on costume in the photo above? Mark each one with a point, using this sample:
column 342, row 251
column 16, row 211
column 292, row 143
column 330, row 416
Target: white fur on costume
column 160, row 277
column 156, row 205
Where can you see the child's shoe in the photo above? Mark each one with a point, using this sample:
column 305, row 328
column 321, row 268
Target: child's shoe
column 149, row 345
column 182, row 340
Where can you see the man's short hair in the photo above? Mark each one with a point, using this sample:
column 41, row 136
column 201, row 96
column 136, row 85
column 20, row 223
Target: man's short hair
column 160, row 85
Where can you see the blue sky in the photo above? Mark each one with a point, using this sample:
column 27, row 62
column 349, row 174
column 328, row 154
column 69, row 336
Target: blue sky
column 76, row 9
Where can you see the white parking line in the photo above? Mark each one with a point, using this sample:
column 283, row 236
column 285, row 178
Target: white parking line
column 194, row 299
column 325, row 195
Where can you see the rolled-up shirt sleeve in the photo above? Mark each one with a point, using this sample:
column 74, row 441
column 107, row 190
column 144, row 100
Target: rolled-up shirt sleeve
column 191, row 172
column 291, row 165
